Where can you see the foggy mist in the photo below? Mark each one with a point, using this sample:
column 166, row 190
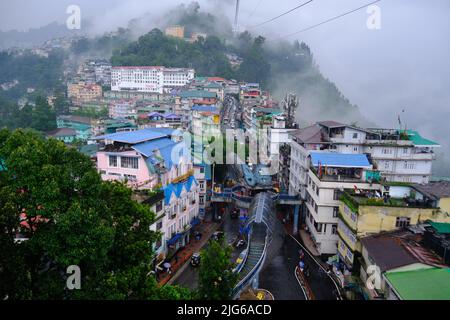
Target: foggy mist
column 402, row 66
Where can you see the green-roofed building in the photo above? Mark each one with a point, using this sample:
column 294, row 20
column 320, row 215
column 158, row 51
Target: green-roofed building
column 440, row 227
column 197, row 94
column 421, row 284
column 113, row 126
column 420, row 141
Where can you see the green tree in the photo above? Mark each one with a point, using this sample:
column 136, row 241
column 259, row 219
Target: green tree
column 61, row 103
column 53, row 196
column 43, row 117
column 256, row 67
column 216, row 277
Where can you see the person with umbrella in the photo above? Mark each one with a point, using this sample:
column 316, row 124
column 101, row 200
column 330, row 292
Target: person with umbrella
column 167, row 266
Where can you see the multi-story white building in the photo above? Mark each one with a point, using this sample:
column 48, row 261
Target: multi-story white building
column 149, row 79
column 205, row 121
column 122, row 110
column 202, row 173
column 277, row 135
column 330, row 173
column 303, row 141
column 400, row 155
column 393, row 156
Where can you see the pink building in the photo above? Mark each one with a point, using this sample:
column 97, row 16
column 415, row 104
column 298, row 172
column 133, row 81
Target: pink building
column 155, row 158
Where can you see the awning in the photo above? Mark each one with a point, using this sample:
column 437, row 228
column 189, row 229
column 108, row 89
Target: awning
column 195, row 222
column 174, row 239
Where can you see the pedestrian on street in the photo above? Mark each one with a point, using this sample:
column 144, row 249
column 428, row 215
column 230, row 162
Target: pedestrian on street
column 301, row 265
column 301, row 253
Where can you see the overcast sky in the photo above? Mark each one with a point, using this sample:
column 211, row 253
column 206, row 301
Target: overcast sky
column 404, row 65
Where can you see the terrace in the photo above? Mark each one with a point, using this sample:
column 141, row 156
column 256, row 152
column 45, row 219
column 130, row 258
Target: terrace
column 338, row 174
column 353, row 199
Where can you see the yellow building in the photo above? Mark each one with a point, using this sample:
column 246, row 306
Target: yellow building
column 84, row 92
column 361, row 215
column 175, row 31
column 439, row 191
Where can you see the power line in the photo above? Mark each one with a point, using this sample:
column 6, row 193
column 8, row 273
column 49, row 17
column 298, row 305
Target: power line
column 281, row 15
column 256, row 8
column 331, row 19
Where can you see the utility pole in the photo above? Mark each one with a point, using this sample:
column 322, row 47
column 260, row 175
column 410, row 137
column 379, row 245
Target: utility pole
column 291, row 103
column 236, row 20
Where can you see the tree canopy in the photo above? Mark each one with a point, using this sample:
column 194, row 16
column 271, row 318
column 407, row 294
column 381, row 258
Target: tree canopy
column 216, row 277
column 40, row 117
column 53, row 196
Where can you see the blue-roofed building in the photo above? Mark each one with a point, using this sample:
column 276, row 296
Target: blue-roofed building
column 155, row 159
column 340, row 160
column 330, row 173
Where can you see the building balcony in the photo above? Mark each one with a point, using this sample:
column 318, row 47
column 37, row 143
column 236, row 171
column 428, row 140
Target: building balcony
column 183, row 177
column 339, row 175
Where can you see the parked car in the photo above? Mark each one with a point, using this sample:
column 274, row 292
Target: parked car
column 195, row 259
column 217, row 235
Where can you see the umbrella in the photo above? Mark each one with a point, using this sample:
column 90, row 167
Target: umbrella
column 167, row 265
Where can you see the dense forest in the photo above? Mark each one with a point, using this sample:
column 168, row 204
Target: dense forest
column 39, row 116
column 31, row 71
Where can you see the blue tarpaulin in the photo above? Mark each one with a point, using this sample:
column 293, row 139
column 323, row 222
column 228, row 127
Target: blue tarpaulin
column 174, row 239
column 340, row 160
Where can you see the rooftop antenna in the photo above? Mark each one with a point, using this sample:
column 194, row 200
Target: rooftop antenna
column 236, row 19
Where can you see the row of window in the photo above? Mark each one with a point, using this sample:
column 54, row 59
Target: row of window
column 321, row 227
column 125, row 162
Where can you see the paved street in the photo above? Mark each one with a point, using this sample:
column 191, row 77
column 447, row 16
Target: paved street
column 278, row 273
column 189, row 277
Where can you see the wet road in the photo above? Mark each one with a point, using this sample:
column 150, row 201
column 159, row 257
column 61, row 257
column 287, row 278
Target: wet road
column 189, row 277
column 278, row 273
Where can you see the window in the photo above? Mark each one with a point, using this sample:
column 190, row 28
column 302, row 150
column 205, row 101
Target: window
column 159, row 206
column 316, row 208
column 336, row 195
column 201, row 200
column 386, row 165
column 355, row 135
column 402, row 222
column 202, row 170
column 405, row 150
column 113, row 161
column 317, row 191
column 318, row 227
column 334, row 228
column 130, row 178
column 335, row 212
column 201, row 185
column 408, row 165
column 159, row 226
column 129, row 162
